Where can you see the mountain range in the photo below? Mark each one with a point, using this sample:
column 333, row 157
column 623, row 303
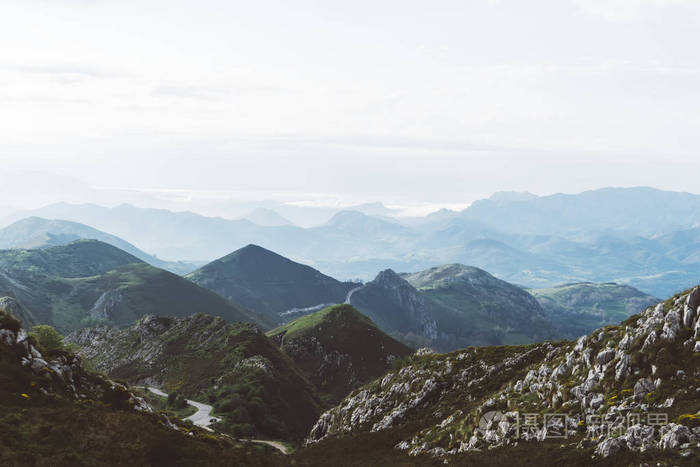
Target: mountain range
column 643, row 237
column 451, row 307
column 88, row 282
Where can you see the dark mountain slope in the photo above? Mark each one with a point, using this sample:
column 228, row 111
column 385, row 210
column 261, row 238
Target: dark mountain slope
column 268, row 283
column 338, row 349
column 250, row 383
column 88, row 281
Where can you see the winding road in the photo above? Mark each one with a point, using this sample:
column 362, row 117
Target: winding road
column 349, row 296
column 203, row 418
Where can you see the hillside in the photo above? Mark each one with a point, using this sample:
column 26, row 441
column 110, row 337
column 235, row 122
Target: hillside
column 269, row 284
column 577, row 309
column 35, row 232
column 253, row 386
column 338, row 349
column 456, row 306
column 88, row 282
column 55, row 412
column 621, row 395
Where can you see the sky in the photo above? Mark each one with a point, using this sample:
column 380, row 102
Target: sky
column 417, row 104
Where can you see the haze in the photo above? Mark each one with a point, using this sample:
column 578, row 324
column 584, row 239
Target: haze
column 420, row 105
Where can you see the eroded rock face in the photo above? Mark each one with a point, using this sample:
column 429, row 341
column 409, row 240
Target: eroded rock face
column 61, row 373
column 643, row 366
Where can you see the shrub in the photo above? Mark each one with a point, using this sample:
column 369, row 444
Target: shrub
column 48, row 338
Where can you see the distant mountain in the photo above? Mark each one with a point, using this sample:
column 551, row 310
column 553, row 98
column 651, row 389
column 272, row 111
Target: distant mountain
column 35, row 232
column 639, row 211
column 452, row 306
column 643, row 237
column 53, row 407
column 338, row 349
column 508, row 196
column 484, row 303
column 270, row 284
column 88, row 282
column 266, row 218
column 249, row 382
column 577, row 309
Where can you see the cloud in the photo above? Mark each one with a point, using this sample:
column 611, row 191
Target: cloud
column 186, row 92
column 631, row 10
column 63, row 71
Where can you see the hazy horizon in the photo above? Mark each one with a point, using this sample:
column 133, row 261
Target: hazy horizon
column 415, row 105
column 28, row 191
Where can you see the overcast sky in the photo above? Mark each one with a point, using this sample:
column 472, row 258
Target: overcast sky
column 409, row 102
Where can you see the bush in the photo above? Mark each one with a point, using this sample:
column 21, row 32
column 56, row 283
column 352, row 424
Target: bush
column 48, row 338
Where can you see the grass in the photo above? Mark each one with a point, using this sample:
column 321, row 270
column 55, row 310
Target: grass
column 310, row 322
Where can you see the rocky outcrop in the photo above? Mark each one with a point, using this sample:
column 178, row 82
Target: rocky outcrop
column 61, row 373
column 645, row 369
column 14, row 308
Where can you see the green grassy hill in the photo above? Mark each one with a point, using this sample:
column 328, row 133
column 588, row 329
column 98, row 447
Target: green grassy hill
column 577, row 309
column 251, row 384
column 338, row 349
column 269, row 284
column 88, row 282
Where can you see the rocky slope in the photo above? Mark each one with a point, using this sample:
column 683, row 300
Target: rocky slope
column 625, row 393
column 55, row 412
column 270, row 284
column 338, row 349
column 253, row 386
column 451, row 306
column 88, row 282
column 577, row 309
column 12, row 307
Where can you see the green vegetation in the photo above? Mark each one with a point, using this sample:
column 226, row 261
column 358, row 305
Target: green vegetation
column 48, row 338
column 253, row 386
column 450, row 307
column 310, row 322
column 175, row 404
column 43, row 423
column 338, row 349
column 577, row 309
column 89, row 282
column 267, row 283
